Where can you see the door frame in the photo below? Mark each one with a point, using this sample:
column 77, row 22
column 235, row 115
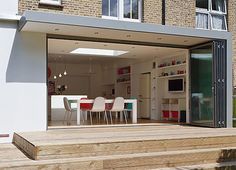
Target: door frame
column 219, row 119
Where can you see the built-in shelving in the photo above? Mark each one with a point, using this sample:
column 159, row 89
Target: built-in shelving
column 172, row 66
column 170, row 76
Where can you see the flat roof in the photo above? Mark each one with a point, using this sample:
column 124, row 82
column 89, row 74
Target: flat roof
column 98, row 28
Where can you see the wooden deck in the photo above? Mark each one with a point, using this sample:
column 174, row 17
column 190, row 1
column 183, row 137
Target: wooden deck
column 127, row 147
column 105, row 134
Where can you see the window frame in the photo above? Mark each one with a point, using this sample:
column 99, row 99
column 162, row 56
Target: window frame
column 218, row 12
column 208, row 18
column 224, row 22
column 112, row 17
column 50, row 2
column 120, row 15
column 211, row 12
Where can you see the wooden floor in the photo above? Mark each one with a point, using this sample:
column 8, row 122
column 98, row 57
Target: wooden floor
column 125, row 147
column 115, row 122
column 111, row 134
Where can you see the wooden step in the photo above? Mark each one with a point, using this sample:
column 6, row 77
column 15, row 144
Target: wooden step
column 211, row 166
column 79, row 143
column 130, row 161
column 77, row 149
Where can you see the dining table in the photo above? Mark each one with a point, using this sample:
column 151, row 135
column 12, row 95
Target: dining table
column 133, row 110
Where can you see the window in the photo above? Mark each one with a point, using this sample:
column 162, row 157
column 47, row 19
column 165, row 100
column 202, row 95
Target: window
column 110, row 8
column 202, row 4
column 211, row 14
column 51, row 2
column 129, row 10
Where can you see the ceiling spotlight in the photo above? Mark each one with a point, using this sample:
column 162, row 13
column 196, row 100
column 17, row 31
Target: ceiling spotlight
column 185, row 40
column 105, row 45
column 96, row 33
column 56, row 29
column 159, row 38
column 128, row 36
column 55, row 77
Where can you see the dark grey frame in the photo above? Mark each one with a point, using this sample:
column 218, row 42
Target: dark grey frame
column 61, row 19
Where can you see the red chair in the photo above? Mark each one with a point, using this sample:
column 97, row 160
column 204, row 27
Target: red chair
column 175, row 115
column 166, row 114
column 84, row 107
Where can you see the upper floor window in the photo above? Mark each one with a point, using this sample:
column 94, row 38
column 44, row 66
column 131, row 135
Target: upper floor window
column 51, row 2
column 129, row 10
column 211, row 14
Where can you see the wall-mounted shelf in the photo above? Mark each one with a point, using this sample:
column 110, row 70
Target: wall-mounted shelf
column 172, row 66
column 123, row 82
column 170, row 76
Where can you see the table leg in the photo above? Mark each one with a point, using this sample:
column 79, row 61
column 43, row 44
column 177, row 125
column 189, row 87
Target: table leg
column 134, row 112
column 78, row 112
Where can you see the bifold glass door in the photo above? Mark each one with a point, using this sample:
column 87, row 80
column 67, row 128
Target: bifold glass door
column 207, row 75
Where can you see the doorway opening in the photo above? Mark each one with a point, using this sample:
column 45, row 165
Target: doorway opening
column 156, row 77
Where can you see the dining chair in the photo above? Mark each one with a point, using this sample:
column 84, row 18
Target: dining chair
column 68, row 111
column 84, row 108
column 98, row 106
column 118, row 106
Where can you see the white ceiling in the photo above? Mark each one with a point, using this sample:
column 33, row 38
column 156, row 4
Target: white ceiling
column 68, row 30
column 59, row 51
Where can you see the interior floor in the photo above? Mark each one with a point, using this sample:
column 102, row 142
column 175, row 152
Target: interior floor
column 115, row 122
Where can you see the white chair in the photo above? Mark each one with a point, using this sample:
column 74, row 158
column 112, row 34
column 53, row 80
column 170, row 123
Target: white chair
column 68, row 111
column 118, row 106
column 98, row 106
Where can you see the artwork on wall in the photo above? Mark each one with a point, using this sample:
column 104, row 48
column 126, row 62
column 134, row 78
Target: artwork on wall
column 51, row 87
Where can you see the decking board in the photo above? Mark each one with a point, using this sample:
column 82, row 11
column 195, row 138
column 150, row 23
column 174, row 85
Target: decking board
column 84, row 142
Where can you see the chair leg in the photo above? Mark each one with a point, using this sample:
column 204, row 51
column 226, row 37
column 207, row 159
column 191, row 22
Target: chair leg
column 82, row 115
column 111, row 117
column 125, row 115
column 99, row 116
column 105, row 116
column 91, row 119
column 65, row 116
column 70, row 117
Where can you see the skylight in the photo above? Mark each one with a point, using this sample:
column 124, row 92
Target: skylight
column 102, row 52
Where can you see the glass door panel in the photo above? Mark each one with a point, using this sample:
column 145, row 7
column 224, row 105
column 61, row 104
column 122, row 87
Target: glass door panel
column 202, row 93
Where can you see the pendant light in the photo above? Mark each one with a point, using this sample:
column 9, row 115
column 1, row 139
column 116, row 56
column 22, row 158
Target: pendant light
column 65, row 72
column 55, row 77
column 60, row 75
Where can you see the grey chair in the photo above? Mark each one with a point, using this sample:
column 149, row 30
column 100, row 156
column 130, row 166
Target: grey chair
column 68, row 111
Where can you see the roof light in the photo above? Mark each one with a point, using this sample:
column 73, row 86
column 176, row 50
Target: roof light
column 102, row 52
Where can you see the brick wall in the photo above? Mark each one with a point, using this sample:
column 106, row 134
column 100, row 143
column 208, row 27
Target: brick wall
column 232, row 29
column 72, row 7
column 180, row 13
column 152, row 11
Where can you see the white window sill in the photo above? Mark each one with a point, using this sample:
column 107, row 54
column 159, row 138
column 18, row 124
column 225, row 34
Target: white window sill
column 109, row 17
column 209, row 29
column 120, row 19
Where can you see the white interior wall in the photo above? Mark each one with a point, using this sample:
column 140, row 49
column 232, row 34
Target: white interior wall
column 22, row 80
column 79, row 81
